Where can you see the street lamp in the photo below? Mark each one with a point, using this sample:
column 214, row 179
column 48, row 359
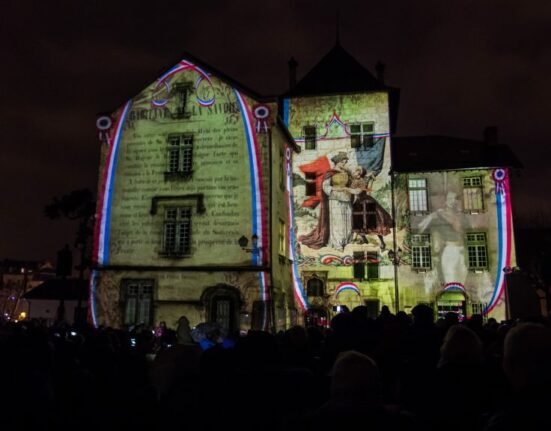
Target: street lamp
column 244, row 241
column 395, row 258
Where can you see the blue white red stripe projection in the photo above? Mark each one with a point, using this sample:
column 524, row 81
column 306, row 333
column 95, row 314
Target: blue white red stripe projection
column 255, row 170
column 298, row 289
column 504, row 229
column 101, row 239
column 345, row 286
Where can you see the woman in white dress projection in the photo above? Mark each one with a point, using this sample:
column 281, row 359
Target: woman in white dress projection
column 450, row 225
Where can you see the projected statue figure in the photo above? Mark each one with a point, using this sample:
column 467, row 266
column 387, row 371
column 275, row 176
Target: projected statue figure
column 334, row 227
column 448, row 242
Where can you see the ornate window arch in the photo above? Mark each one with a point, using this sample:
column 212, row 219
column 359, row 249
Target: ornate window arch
column 315, row 287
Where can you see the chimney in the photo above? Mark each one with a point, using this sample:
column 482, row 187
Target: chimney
column 380, row 69
column 490, row 135
column 292, row 72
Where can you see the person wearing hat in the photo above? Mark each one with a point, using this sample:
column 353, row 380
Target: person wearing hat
column 334, row 227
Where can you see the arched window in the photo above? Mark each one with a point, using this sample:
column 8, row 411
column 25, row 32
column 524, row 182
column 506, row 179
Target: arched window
column 314, row 287
column 222, row 304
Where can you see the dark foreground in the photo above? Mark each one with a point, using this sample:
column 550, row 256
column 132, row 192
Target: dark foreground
column 384, row 374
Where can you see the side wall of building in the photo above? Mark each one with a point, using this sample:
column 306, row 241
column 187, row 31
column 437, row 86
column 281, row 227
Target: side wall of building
column 176, row 294
column 184, row 175
column 285, row 309
column 465, row 229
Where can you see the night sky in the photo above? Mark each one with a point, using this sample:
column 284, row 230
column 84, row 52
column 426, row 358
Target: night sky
column 461, row 65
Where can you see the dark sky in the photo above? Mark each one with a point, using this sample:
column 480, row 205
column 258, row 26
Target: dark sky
column 461, row 65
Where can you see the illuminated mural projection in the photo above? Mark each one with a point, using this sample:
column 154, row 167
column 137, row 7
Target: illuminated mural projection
column 453, row 228
column 348, row 294
column 458, row 246
column 298, row 288
column 342, row 190
column 182, row 179
column 505, row 236
column 187, row 181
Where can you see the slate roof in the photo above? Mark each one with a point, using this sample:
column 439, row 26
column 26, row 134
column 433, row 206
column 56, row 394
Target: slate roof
column 439, row 153
column 231, row 82
column 337, row 72
column 67, row 289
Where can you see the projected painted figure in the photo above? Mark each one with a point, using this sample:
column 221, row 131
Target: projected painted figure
column 334, row 227
column 449, row 244
column 369, row 217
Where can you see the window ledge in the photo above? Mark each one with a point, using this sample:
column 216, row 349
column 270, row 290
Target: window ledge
column 478, row 270
column 174, row 255
column 171, row 176
column 181, row 116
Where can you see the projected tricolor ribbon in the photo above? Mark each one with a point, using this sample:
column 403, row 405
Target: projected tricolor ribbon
column 298, row 289
column 259, row 222
column 100, row 253
column 346, row 286
column 504, row 231
column 262, row 116
column 163, row 84
column 454, row 286
column 499, row 176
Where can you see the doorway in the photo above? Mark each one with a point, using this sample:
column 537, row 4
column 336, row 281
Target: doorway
column 316, row 317
column 222, row 304
column 453, row 301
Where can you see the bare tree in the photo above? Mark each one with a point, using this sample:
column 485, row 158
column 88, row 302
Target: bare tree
column 78, row 205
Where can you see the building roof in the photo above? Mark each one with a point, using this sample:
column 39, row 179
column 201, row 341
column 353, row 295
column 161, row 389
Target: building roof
column 208, row 68
column 337, row 72
column 439, row 153
column 33, row 269
column 67, row 289
column 287, row 134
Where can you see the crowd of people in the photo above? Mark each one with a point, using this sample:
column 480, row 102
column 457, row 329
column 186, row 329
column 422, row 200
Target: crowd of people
column 393, row 372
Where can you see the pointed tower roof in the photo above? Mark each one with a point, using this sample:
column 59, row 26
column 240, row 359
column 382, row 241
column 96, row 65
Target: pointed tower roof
column 337, row 72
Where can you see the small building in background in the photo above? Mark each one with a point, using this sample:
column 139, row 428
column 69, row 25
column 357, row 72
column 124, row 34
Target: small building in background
column 17, row 277
column 57, row 300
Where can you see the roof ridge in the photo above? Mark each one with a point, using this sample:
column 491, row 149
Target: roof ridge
column 337, row 71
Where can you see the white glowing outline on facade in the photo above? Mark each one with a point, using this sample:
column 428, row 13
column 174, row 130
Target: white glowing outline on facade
column 263, row 283
column 92, row 298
